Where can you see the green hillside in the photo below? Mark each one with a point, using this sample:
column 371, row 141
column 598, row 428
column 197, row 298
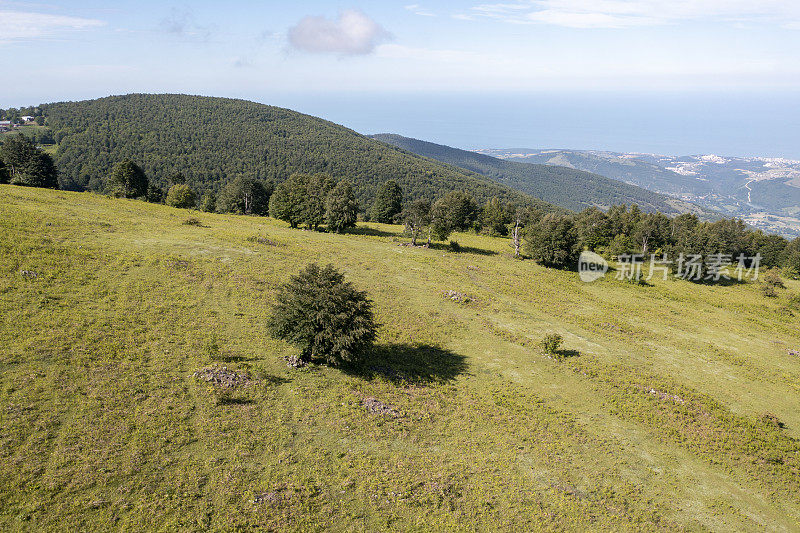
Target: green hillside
column 560, row 185
column 213, row 140
column 675, row 405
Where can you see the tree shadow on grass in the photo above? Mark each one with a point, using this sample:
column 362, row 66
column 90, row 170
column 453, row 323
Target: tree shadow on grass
column 462, row 249
column 410, row 364
column 566, row 354
column 372, row 232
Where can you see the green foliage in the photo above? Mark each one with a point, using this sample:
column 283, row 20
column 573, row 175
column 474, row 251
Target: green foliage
column 213, row 140
column 553, row 241
column 325, row 316
column 24, row 164
column 181, row 196
column 496, row 216
column 459, row 209
column 551, row 343
column 4, row 176
column 341, row 208
column 155, row 195
column 301, row 200
column 208, row 203
column 416, row 217
column 244, row 196
column 128, row 180
column 790, row 257
column 388, row 202
column 566, row 187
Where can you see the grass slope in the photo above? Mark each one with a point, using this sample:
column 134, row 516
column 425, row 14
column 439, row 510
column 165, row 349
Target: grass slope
column 108, row 307
column 568, row 187
column 213, row 140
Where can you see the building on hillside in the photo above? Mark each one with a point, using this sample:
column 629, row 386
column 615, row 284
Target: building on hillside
column 27, row 118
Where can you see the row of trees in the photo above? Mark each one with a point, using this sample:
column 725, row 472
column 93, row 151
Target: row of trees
column 313, row 200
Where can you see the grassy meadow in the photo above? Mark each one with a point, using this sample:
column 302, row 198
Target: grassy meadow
column 654, row 419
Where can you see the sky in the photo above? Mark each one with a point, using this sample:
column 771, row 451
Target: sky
column 684, row 76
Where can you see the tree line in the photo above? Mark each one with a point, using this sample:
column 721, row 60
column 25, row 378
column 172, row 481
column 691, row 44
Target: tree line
column 312, row 200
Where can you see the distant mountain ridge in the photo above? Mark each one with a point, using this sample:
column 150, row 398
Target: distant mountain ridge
column 764, row 191
column 571, row 188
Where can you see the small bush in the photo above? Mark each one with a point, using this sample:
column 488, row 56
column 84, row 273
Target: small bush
column 181, row 196
column 773, row 279
column 192, row 222
column 768, row 290
column 454, row 246
column 551, row 343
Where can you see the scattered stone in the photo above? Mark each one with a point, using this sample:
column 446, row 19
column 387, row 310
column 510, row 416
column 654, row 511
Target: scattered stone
column 28, row 274
column 665, row 396
column 294, row 361
column 262, row 240
column 222, row 376
column 379, row 408
column 795, row 353
column 456, row 296
column 97, row 504
column 268, row 497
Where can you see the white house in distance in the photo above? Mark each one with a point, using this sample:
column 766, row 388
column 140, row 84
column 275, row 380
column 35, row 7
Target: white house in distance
column 27, row 118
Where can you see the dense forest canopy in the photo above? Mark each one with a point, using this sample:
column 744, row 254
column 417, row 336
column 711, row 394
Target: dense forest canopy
column 215, row 140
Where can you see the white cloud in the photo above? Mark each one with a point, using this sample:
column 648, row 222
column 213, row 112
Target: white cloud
column 628, row 13
column 183, row 24
column 19, row 25
column 352, row 33
column 419, row 10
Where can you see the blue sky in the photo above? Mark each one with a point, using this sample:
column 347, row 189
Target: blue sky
column 303, row 54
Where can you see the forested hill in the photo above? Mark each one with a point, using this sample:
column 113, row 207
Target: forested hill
column 213, row 140
column 563, row 186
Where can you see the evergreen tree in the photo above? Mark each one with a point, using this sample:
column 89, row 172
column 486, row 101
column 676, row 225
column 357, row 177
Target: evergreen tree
column 441, row 222
column 4, row 177
column 128, row 180
column 181, row 196
column 388, row 202
column 554, row 241
column 325, row 316
column 341, row 207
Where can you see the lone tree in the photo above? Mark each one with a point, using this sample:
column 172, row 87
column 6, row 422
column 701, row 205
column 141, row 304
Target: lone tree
column 181, row 196
column 388, row 202
column 553, row 242
column 417, row 216
column 341, row 208
column 128, row 180
column 325, row 316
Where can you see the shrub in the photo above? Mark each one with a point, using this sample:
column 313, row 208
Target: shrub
column 192, row 222
column 773, row 278
column 325, row 316
column 454, row 246
column 181, row 196
column 551, row 343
